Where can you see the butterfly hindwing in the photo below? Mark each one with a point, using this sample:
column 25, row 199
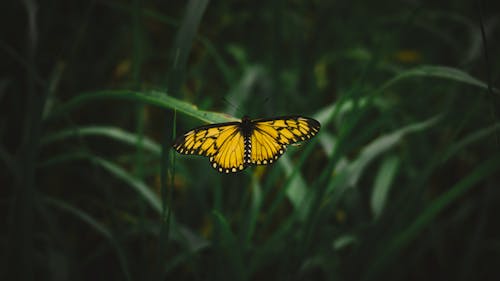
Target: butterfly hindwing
column 265, row 147
column 230, row 156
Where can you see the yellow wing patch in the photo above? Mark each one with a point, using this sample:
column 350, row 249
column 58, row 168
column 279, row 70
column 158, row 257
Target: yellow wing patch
column 265, row 147
column 230, row 156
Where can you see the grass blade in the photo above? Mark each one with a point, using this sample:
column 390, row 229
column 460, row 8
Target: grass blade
column 155, row 98
column 351, row 172
column 138, row 185
column 435, row 71
column 383, row 181
column 230, row 247
column 403, row 238
column 113, row 133
column 470, row 139
column 98, row 227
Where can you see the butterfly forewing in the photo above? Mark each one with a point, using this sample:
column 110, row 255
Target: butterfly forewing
column 204, row 140
column 288, row 130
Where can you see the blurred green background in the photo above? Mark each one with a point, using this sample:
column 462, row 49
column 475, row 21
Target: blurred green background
column 402, row 183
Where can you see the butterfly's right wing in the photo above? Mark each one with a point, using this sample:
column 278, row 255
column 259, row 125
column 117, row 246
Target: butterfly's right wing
column 272, row 135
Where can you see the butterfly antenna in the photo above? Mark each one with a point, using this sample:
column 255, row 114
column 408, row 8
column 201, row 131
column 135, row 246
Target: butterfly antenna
column 234, row 107
column 266, row 99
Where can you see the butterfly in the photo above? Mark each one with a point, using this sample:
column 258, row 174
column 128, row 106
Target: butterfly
column 233, row 146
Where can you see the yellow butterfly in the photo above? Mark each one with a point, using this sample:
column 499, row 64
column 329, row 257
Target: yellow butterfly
column 233, row 146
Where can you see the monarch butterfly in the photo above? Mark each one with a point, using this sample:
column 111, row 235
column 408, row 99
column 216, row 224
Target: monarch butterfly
column 233, row 146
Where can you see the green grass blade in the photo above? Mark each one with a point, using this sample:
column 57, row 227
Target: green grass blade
column 8, row 160
column 295, row 188
column 183, row 43
column 138, row 185
column 273, row 247
column 82, row 215
column 443, row 72
column 470, row 139
column 253, row 211
column 98, row 227
column 351, row 173
column 113, row 133
column 210, row 48
column 230, row 247
column 135, row 183
column 383, row 181
column 243, row 90
column 155, row 98
column 488, row 168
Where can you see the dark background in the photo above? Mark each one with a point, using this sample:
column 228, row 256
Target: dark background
column 401, row 184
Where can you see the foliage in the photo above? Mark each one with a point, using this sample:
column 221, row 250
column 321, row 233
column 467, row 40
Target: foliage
column 400, row 184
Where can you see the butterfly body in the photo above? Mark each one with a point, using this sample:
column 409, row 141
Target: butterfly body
column 233, row 146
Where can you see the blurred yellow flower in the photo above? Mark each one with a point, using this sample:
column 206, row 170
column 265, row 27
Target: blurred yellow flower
column 407, row 56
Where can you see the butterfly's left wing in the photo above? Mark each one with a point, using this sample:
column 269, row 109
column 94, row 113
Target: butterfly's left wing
column 205, row 140
column 223, row 143
column 271, row 136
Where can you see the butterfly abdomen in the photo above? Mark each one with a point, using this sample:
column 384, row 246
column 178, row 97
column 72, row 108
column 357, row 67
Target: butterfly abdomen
column 246, row 129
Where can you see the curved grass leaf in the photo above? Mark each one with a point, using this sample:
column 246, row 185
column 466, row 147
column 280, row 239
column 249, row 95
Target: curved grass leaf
column 254, row 210
column 243, row 89
column 340, row 108
column 161, row 17
column 443, row 72
column 113, row 133
column 155, row 98
column 296, row 186
column 82, row 215
column 401, row 239
column 383, row 181
column 344, row 241
column 350, row 173
column 470, row 139
column 335, row 112
column 8, row 160
column 230, row 247
column 273, row 248
column 97, row 226
column 192, row 245
column 132, row 181
column 138, row 185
